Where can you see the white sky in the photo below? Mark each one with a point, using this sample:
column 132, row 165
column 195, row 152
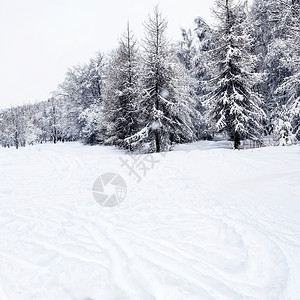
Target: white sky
column 41, row 39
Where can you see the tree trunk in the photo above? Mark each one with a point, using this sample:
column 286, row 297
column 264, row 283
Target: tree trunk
column 16, row 140
column 237, row 140
column 157, row 141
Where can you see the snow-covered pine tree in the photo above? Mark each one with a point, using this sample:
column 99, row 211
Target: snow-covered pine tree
column 266, row 16
column 121, row 94
column 185, row 49
column 192, row 51
column 289, row 89
column 168, row 111
column 203, row 44
column 233, row 106
column 271, row 30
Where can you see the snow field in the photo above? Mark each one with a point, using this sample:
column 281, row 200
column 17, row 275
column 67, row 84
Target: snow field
column 206, row 222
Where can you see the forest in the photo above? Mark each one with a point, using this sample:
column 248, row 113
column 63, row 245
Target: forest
column 239, row 78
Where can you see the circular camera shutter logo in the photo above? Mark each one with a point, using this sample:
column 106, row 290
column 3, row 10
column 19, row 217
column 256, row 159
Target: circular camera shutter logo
column 109, row 189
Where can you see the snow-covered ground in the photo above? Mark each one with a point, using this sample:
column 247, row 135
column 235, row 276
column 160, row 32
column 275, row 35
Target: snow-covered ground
column 206, row 222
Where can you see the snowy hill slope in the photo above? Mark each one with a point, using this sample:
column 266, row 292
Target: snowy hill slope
column 202, row 222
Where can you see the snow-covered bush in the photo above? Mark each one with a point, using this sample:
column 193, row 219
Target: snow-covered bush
column 283, row 132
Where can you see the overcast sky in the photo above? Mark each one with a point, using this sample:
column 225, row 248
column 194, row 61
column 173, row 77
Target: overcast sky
column 41, row 39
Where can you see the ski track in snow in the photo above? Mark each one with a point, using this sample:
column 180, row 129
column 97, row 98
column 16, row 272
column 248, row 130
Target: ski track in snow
column 206, row 222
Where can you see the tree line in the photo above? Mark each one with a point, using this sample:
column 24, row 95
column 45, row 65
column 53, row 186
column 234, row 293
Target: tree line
column 240, row 77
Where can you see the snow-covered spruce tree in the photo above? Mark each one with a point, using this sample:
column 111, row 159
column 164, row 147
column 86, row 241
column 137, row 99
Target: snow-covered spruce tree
column 267, row 18
column 271, row 30
column 289, row 89
column 121, row 94
column 186, row 50
column 167, row 109
column 192, row 52
column 233, row 106
column 203, row 44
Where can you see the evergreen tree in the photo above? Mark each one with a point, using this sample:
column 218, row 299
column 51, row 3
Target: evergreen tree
column 271, row 31
column 122, row 93
column 167, row 109
column 233, row 106
column 186, row 49
column 193, row 52
column 289, row 89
